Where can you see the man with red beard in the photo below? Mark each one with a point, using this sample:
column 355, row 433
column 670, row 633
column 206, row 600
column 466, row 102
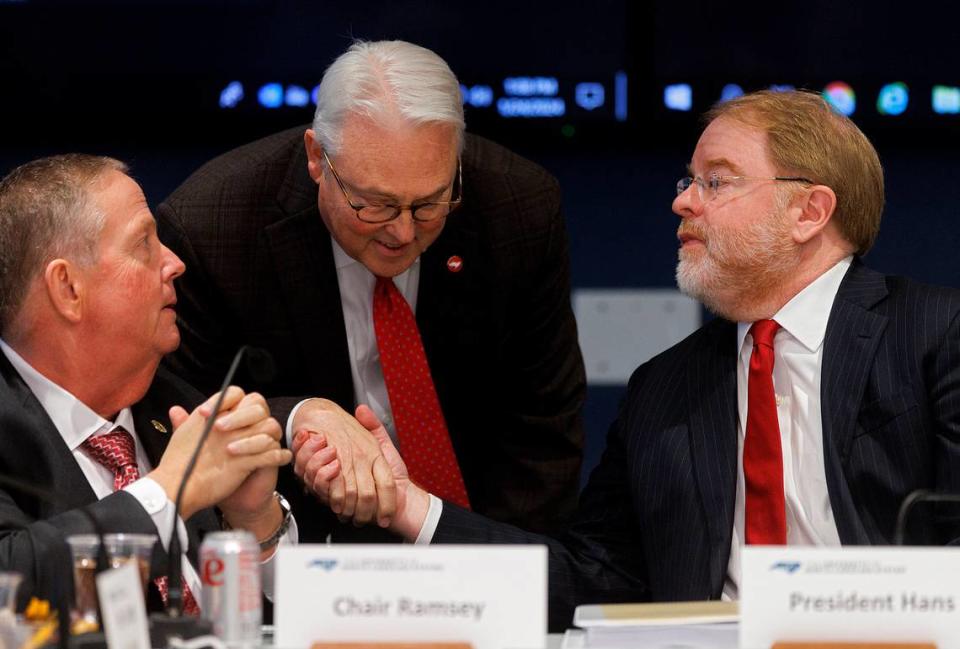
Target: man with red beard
column 821, row 397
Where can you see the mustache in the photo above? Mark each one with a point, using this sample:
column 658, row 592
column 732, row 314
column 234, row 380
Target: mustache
column 691, row 230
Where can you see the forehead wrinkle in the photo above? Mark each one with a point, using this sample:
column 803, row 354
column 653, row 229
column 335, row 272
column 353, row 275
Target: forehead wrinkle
column 140, row 222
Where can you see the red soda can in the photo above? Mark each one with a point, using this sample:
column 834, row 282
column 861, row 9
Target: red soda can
column 230, row 572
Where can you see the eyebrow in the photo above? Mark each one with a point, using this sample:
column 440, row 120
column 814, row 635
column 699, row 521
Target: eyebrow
column 718, row 162
column 376, row 194
column 143, row 225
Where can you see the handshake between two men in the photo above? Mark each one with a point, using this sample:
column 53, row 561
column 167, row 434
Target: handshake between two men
column 351, row 465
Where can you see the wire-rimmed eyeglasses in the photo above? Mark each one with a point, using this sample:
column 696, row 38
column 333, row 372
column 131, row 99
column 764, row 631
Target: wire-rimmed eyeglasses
column 709, row 188
column 422, row 212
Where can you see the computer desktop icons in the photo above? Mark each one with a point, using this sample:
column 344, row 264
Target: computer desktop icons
column 602, row 96
column 891, row 99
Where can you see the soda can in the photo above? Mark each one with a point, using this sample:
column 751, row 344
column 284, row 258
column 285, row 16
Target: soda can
column 230, row 572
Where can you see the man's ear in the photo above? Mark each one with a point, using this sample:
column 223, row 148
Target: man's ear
column 65, row 288
column 816, row 205
column 314, row 156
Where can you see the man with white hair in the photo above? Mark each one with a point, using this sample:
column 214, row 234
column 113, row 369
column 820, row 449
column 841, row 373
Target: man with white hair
column 385, row 257
column 819, row 399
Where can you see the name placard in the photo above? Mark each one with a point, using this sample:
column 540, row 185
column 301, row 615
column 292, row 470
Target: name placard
column 122, row 607
column 490, row 596
column 870, row 594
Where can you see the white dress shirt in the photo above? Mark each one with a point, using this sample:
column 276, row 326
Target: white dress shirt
column 356, row 298
column 76, row 422
column 798, row 362
column 797, row 368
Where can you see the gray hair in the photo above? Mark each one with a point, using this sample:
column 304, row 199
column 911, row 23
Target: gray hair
column 385, row 78
column 47, row 212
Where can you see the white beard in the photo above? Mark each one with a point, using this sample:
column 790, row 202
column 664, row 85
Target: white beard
column 737, row 266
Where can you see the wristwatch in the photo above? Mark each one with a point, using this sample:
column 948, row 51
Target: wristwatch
column 278, row 533
column 273, row 539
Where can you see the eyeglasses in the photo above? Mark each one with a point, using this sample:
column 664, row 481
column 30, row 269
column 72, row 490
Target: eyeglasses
column 421, row 212
column 708, row 189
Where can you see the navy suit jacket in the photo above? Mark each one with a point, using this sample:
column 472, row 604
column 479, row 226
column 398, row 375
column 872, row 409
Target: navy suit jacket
column 33, row 532
column 655, row 520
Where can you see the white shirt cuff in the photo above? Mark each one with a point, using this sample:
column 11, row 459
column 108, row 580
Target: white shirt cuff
column 154, row 501
column 268, row 570
column 289, row 428
column 430, row 522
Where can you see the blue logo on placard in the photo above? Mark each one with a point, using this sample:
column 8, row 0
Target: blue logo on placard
column 788, row 567
column 326, row 564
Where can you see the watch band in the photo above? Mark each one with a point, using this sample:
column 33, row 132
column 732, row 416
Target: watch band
column 274, row 539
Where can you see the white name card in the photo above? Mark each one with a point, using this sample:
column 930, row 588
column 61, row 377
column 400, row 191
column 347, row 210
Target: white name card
column 868, row 594
column 491, row 596
column 122, row 608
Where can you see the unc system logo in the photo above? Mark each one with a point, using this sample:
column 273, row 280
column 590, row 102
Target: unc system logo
column 788, row 567
column 326, row 564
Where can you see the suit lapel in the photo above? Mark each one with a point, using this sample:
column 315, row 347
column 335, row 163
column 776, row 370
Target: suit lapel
column 40, row 456
column 154, row 430
column 446, row 295
column 853, row 333
column 447, row 303
column 712, row 395
column 303, row 256
column 450, row 276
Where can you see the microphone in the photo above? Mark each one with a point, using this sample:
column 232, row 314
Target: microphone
column 261, row 367
column 914, row 498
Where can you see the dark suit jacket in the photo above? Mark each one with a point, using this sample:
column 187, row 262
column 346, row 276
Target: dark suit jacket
column 33, row 532
column 656, row 517
column 500, row 336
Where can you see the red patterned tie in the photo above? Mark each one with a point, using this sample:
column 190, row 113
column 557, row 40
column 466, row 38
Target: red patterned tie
column 765, row 516
column 421, row 429
column 116, row 451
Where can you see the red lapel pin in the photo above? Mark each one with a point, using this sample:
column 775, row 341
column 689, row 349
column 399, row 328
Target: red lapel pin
column 455, row 264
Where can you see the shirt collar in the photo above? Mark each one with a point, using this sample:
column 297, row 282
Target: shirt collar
column 805, row 316
column 73, row 419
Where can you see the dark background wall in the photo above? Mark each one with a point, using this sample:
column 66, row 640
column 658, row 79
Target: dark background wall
column 141, row 80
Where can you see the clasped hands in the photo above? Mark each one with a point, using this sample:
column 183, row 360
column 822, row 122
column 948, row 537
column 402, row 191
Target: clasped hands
column 237, row 466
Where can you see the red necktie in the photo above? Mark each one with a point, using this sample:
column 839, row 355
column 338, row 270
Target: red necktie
column 421, row 428
column 116, row 451
column 765, row 520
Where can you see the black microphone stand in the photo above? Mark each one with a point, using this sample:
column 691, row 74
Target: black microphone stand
column 173, row 623
column 913, row 499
